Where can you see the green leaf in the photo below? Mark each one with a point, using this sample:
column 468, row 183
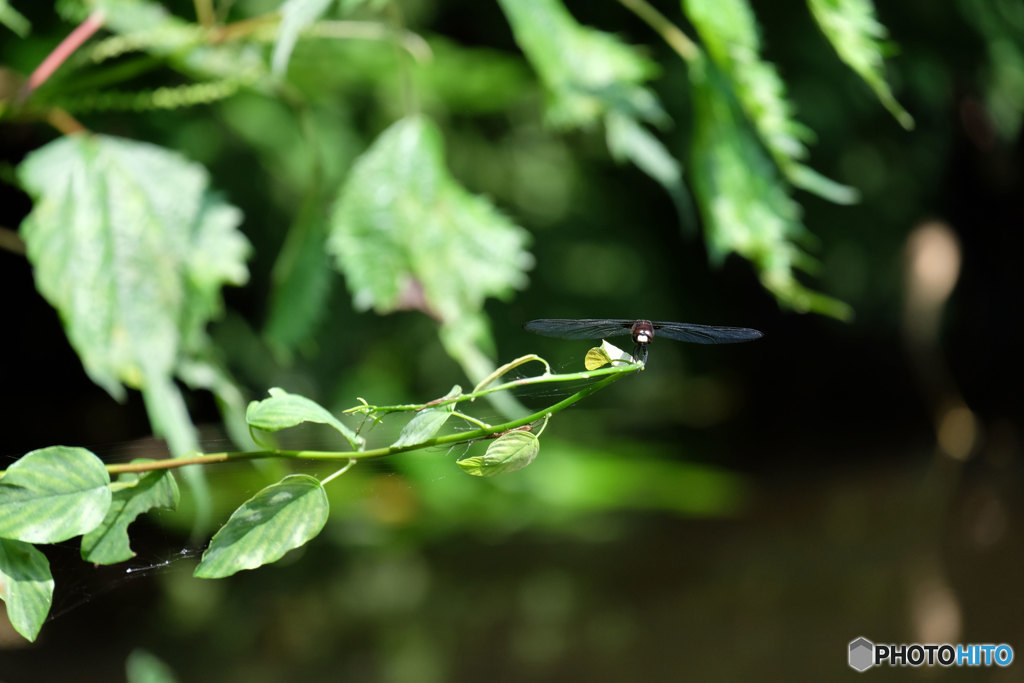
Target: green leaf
column 210, row 375
column 596, row 358
column 26, row 586
column 109, row 543
column 1001, row 79
column 295, row 16
column 605, row 354
column 302, row 279
column 279, row 518
column 857, row 37
column 587, row 73
column 147, row 25
column 283, row 410
column 508, row 453
column 131, row 249
column 592, row 76
column 427, row 422
column 142, row 666
column 745, row 206
column 407, row 236
column 729, row 32
column 53, row 494
column 14, row 20
column 472, row 80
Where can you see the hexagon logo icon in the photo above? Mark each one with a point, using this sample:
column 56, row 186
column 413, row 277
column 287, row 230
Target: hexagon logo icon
column 862, row 654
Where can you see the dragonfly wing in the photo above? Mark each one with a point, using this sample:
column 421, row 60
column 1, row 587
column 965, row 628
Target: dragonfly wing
column 585, row 328
column 705, row 334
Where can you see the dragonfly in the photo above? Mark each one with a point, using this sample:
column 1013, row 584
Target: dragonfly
column 642, row 331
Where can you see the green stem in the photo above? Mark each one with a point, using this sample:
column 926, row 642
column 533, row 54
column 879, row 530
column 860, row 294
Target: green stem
column 522, row 382
column 343, row 470
column 470, row 419
column 613, row 374
column 668, row 31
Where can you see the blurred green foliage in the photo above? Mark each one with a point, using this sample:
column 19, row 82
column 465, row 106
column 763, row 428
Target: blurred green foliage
column 524, row 112
column 358, row 139
column 305, row 90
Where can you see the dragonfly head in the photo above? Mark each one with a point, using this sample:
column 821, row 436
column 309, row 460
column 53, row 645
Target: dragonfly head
column 643, row 332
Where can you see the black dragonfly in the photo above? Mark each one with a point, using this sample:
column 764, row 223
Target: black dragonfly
column 642, row 331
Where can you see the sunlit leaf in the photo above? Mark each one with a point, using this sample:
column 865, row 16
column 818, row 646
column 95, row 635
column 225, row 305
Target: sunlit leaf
column 407, row 236
column 53, row 494
column 135, row 494
column 26, row 586
column 132, row 250
column 283, row 410
column 508, row 453
column 745, row 206
column 729, row 32
column 606, row 353
column 596, row 358
column 279, row 518
column 586, row 72
column 857, row 36
column 427, row 422
column 295, row 16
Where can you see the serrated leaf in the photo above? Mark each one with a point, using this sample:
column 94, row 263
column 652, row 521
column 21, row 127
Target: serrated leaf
column 295, row 16
column 53, row 494
column 109, row 543
column 590, row 76
column 427, row 422
column 857, row 37
column 729, row 32
column 283, row 410
column 508, row 453
column 279, row 518
column 745, row 206
column 407, row 236
column 131, row 249
column 147, row 25
column 26, row 586
column 586, row 72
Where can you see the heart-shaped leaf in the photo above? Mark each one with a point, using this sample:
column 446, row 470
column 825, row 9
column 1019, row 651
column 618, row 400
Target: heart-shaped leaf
column 283, row 410
column 279, row 518
column 508, row 453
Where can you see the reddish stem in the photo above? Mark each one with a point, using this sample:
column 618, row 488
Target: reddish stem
column 60, row 53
